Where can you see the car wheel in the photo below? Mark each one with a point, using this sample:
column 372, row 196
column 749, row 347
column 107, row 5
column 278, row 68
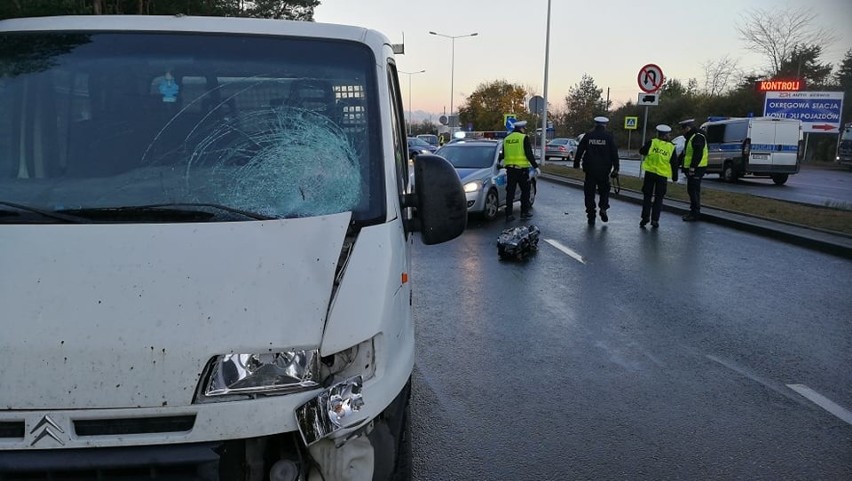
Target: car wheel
column 492, row 205
column 779, row 179
column 532, row 192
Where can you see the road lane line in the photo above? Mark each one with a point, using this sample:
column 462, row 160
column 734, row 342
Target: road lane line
column 566, row 250
column 822, row 402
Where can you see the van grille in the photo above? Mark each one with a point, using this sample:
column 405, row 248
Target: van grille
column 116, row 427
column 194, row 462
column 12, row 430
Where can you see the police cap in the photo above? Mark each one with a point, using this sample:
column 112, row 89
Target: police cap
column 663, row 129
column 601, row 120
column 687, row 123
column 520, row 124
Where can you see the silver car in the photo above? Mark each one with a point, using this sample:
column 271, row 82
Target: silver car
column 478, row 163
column 562, row 148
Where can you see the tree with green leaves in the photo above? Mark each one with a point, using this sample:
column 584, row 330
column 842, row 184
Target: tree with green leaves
column 582, row 104
column 484, row 108
column 843, row 79
column 425, row 126
column 803, row 63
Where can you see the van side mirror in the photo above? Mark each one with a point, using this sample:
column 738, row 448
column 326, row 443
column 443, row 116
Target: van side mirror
column 438, row 199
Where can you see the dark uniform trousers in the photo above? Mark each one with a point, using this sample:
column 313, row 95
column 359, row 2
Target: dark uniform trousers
column 653, row 187
column 520, row 177
column 693, row 188
column 600, row 182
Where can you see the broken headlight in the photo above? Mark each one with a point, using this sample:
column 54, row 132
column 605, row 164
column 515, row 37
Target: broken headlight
column 262, row 373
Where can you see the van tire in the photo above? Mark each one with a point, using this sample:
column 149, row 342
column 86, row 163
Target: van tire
column 780, row 179
column 728, row 174
column 403, row 469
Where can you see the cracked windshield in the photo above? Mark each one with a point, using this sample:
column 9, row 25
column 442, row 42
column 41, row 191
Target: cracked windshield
column 101, row 126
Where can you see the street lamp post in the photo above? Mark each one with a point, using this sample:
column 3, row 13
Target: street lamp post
column 409, row 95
column 453, row 63
column 546, row 64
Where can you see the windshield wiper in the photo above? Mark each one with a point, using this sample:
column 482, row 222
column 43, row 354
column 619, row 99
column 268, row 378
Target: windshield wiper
column 186, row 211
column 71, row 219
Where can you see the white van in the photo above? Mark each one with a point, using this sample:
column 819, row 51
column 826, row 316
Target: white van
column 205, row 234
column 756, row 146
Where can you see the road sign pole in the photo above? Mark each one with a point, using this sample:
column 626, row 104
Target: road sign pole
column 644, row 125
column 628, row 139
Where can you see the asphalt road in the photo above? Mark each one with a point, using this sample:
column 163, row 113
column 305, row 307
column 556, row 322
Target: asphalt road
column 816, row 185
column 688, row 352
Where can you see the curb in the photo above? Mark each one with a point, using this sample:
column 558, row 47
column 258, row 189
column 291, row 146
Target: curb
column 822, row 241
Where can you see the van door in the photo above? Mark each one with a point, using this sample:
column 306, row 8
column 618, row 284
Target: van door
column 785, row 157
column 716, row 152
column 762, row 145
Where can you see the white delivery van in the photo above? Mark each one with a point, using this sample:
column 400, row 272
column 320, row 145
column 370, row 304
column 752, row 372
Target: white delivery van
column 755, row 146
column 205, row 226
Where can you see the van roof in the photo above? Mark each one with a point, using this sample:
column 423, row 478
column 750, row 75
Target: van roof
column 182, row 23
column 741, row 119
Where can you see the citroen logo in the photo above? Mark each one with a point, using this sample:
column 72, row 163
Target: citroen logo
column 47, row 428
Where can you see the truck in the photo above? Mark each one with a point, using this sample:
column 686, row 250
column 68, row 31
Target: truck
column 206, row 228
column 754, row 146
column 844, row 146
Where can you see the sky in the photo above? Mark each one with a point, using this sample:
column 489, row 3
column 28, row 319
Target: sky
column 609, row 40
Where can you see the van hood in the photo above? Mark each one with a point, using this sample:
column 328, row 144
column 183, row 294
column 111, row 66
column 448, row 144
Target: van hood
column 128, row 315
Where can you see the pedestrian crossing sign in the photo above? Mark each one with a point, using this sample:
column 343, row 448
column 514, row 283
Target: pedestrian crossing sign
column 630, row 123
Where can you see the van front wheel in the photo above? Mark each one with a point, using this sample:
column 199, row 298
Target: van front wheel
column 728, row 173
column 779, row 179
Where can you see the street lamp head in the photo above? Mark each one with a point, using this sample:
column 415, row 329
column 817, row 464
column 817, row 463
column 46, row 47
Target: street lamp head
column 433, row 33
column 474, row 34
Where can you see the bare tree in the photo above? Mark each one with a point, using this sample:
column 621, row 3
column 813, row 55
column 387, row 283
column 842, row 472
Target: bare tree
column 775, row 33
column 720, row 74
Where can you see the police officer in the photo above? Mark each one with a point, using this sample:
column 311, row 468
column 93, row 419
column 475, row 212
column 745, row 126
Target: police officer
column 518, row 157
column 694, row 163
column 659, row 164
column 599, row 156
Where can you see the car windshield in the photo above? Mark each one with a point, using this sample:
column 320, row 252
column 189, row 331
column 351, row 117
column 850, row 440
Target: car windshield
column 469, row 156
column 106, row 121
column 558, row 142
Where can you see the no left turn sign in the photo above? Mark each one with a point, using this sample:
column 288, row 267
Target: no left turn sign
column 650, row 78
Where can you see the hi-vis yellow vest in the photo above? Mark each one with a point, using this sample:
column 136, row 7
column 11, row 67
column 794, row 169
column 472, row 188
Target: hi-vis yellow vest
column 659, row 157
column 513, row 151
column 687, row 155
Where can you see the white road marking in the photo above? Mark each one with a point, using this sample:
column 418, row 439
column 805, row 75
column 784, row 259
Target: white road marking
column 822, row 402
column 566, row 250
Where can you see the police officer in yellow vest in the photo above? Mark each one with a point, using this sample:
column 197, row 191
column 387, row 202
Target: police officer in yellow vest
column 694, row 163
column 518, row 157
column 659, row 165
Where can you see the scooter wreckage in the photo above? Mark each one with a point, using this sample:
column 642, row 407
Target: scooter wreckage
column 518, row 243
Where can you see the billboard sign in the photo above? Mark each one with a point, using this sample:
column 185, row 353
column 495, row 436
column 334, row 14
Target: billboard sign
column 818, row 111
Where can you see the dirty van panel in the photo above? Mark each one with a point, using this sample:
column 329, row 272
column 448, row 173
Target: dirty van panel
column 278, row 127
